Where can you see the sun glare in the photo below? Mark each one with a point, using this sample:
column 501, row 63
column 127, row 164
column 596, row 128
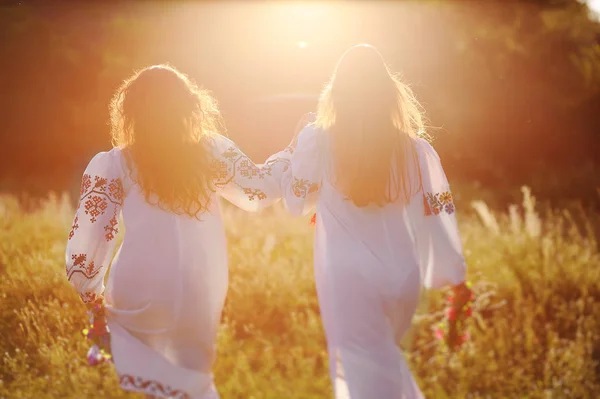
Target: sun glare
column 595, row 7
column 302, row 44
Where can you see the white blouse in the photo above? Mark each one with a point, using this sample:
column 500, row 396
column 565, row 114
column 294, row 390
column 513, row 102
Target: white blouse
column 168, row 280
column 106, row 184
column 431, row 212
column 370, row 263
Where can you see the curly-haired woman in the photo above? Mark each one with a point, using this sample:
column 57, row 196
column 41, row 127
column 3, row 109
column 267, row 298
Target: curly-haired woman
column 168, row 281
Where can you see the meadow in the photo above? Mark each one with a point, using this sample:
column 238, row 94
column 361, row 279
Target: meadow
column 535, row 331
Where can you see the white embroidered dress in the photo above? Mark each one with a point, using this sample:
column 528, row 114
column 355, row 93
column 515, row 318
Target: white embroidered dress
column 370, row 263
column 168, row 281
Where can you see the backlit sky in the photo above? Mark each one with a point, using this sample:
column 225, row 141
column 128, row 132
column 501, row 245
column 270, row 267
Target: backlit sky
column 594, row 5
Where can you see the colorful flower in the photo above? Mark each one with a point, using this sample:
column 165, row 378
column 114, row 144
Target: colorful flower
column 464, row 338
column 94, row 357
column 446, row 197
column 451, row 313
column 439, row 334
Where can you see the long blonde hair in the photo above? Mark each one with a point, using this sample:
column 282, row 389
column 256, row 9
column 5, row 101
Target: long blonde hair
column 160, row 119
column 372, row 118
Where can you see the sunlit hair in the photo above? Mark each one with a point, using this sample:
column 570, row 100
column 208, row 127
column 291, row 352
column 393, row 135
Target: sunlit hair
column 372, row 119
column 161, row 120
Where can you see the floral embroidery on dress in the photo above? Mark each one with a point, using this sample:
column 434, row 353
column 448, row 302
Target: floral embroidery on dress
column 74, row 227
column 220, row 172
column 249, row 170
column 111, row 228
column 86, row 183
column 151, row 387
column 231, row 153
column 88, row 297
column 96, row 199
column 253, row 193
column 234, row 163
column 116, row 190
column 302, row 187
column 435, row 203
column 95, row 206
column 79, row 266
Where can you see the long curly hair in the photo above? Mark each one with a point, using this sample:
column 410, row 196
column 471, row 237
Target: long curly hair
column 161, row 120
column 372, row 118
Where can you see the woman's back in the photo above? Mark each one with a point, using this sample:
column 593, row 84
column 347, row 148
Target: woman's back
column 384, row 229
column 168, row 281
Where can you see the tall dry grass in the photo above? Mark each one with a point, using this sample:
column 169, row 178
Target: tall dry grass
column 535, row 330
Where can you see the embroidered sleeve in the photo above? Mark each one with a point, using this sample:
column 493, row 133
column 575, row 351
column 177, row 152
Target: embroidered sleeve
column 91, row 241
column 302, row 181
column 247, row 185
column 432, row 213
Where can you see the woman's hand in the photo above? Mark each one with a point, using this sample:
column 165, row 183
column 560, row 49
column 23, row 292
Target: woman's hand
column 462, row 295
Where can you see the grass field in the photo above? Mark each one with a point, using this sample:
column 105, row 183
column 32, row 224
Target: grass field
column 535, row 330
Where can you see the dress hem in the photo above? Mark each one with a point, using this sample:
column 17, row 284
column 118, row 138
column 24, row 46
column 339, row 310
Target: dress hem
column 150, row 387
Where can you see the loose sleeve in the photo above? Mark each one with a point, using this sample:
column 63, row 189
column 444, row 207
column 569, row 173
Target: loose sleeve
column 249, row 186
column 301, row 183
column 432, row 214
column 91, row 241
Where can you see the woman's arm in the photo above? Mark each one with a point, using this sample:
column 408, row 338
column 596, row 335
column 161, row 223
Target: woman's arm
column 249, row 186
column 301, row 182
column 91, row 241
column 432, row 213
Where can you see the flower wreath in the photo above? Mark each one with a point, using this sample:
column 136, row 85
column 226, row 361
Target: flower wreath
column 98, row 333
column 453, row 329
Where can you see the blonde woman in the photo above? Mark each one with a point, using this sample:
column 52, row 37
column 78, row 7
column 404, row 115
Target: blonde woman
column 385, row 222
column 168, row 280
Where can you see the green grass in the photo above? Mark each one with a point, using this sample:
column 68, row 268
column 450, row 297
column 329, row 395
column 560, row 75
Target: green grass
column 535, row 330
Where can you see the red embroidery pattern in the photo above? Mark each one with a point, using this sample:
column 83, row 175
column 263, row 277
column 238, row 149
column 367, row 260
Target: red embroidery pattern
column 248, row 169
column 254, row 193
column 116, row 190
column 86, row 183
column 74, row 227
column 95, row 206
column 220, row 170
column 435, row 203
column 111, row 228
column 96, row 198
column 236, row 163
column 79, row 266
column 302, row 187
column 151, row 387
column 231, row 153
column 88, row 297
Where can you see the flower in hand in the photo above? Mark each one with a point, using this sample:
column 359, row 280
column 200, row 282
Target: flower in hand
column 458, row 310
column 98, row 333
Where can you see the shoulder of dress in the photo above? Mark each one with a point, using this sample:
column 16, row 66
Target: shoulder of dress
column 110, row 165
column 424, row 147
